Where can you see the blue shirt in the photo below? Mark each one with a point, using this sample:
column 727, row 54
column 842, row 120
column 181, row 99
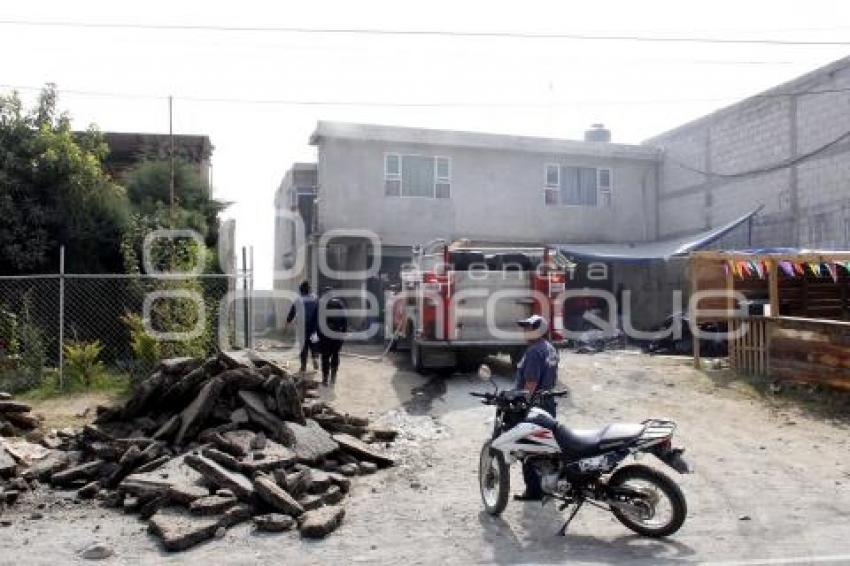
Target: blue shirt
column 540, row 362
column 311, row 313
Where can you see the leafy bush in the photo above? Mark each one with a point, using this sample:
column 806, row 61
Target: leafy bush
column 23, row 351
column 82, row 363
column 116, row 384
column 9, row 345
column 146, row 350
column 32, row 346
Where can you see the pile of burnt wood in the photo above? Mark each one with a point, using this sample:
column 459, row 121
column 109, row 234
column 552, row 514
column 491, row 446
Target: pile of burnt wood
column 204, row 445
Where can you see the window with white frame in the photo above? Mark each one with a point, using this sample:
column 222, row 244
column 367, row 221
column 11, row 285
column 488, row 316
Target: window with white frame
column 604, row 185
column 577, row 186
column 417, row 176
column 443, row 177
column 392, row 175
column 552, row 183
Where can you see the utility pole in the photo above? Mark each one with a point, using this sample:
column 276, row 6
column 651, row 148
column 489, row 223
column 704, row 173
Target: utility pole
column 171, row 154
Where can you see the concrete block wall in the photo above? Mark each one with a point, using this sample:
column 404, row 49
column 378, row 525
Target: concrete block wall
column 756, row 135
column 805, row 204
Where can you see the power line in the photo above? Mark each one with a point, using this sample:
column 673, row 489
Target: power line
column 767, row 169
column 424, row 33
column 415, row 104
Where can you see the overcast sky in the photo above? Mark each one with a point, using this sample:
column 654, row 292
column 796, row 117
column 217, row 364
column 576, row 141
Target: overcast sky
column 546, row 87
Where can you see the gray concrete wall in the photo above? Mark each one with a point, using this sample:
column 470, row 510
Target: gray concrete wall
column 806, row 204
column 284, row 242
column 496, row 195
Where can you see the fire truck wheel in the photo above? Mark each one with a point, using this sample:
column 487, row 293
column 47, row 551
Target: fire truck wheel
column 468, row 363
column 416, row 356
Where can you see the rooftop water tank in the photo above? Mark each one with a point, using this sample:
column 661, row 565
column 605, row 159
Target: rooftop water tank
column 597, row 133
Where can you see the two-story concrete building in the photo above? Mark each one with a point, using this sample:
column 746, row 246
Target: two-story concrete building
column 408, row 186
column 412, row 185
column 785, row 151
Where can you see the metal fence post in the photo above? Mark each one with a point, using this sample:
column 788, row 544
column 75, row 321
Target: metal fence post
column 245, row 297
column 61, row 316
column 251, row 299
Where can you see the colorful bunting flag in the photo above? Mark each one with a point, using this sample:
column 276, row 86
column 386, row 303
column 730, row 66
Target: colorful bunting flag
column 787, row 268
column 833, row 271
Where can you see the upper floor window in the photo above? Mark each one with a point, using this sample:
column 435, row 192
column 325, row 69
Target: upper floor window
column 577, row 186
column 417, row 176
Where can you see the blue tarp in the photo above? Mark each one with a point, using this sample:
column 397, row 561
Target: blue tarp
column 649, row 251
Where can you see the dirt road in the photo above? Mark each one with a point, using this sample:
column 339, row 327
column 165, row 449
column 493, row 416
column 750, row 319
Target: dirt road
column 771, row 486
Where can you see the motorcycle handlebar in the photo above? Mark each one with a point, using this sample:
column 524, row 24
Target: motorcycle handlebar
column 560, row 393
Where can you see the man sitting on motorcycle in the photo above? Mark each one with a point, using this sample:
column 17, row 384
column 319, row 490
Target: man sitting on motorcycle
column 536, row 371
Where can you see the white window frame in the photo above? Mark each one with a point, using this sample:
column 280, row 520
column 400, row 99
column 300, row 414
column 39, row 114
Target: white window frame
column 599, row 190
column 387, row 173
column 609, row 190
column 392, row 176
column 546, row 184
column 447, row 180
column 398, row 177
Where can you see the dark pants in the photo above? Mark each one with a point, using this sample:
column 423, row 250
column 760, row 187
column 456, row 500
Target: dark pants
column 529, row 474
column 330, row 357
column 305, row 348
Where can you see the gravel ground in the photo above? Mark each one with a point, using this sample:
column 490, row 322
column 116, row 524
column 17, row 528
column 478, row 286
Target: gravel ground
column 772, row 482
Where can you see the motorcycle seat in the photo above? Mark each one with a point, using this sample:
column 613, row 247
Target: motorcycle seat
column 582, row 443
column 578, row 442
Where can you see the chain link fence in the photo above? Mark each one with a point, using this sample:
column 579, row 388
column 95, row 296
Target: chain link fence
column 41, row 314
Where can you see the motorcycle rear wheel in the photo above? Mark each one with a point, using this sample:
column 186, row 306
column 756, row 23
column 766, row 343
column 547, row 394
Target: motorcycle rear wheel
column 658, row 485
column 494, row 480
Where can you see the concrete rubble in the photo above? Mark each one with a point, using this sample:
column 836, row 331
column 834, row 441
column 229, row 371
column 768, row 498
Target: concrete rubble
column 23, row 446
column 203, row 445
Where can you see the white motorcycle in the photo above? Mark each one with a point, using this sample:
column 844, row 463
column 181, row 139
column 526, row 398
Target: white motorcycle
column 582, row 466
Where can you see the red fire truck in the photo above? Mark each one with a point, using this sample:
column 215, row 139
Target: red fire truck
column 460, row 301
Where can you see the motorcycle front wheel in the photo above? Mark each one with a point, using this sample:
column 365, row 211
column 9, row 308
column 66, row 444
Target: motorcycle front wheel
column 494, row 479
column 652, row 504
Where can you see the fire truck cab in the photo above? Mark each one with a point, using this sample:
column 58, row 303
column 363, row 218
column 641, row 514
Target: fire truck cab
column 460, row 301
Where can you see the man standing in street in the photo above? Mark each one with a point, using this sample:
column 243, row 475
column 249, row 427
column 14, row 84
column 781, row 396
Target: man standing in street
column 333, row 324
column 308, row 305
column 537, row 371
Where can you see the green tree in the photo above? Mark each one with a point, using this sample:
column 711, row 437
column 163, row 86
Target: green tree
column 148, row 189
column 54, row 191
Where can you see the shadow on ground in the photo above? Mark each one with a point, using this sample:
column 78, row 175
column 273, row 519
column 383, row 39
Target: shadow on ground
column 813, row 400
column 536, row 540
